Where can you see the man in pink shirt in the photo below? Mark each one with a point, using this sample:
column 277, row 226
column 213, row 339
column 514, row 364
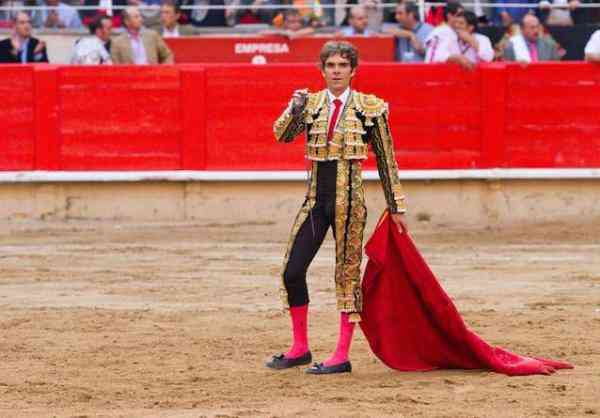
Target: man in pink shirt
column 529, row 45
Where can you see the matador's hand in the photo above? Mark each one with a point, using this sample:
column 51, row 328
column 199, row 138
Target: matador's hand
column 400, row 220
column 299, row 100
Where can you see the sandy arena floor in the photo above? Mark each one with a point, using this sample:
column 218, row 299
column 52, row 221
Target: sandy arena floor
column 176, row 320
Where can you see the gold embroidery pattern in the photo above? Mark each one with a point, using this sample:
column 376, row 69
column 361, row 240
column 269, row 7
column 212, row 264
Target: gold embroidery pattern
column 301, row 217
column 383, row 146
column 350, row 220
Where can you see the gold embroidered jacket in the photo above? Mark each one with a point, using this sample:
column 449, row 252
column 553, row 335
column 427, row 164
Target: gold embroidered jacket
column 364, row 121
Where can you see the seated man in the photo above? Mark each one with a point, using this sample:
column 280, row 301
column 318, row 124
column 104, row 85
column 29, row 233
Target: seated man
column 138, row 45
column 60, row 17
column 21, row 47
column 169, row 21
column 411, row 34
column 529, row 46
column 92, row 50
column 358, row 21
column 473, row 46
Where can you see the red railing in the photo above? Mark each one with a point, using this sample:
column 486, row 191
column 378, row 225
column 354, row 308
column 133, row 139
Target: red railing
column 195, row 117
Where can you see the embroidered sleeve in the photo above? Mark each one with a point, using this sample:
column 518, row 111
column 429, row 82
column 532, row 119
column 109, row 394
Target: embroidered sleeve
column 289, row 125
column 383, row 146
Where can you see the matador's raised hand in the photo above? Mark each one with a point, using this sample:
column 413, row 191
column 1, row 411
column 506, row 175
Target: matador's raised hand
column 299, row 100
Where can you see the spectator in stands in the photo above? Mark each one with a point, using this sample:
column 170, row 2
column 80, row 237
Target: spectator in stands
column 293, row 26
column 211, row 17
column 411, row 35
column 562, row 12
column 592, row 48
column 442, row 42
column 60, row 17
column 150, row 11
column 473, row 46
column 374, row 14
column 104, row 8
column 21, row 47
column 169, row 21
column 529, row 45
column 92, row 50
column 138, row 45
column 358, row 21
column 7, row 17
column 251, row 14
column 506, row 16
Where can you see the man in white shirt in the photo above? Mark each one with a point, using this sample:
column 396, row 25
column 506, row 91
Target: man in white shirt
column 91, row 50
column 473, row 46
column 442, row 42
column 592, row 48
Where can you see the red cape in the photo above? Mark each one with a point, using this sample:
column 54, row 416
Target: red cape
column 411, row 323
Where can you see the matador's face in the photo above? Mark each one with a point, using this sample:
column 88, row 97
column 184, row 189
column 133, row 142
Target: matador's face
column 337, row 73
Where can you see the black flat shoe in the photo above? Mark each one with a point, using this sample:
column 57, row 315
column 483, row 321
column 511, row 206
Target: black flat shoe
column 281, row 362
column 320, row 368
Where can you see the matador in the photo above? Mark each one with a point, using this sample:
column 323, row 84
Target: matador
column 340, row 124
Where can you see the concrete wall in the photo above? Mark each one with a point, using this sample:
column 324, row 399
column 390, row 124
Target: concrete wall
column 477, row 203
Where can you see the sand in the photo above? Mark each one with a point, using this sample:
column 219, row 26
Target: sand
column 109, row 319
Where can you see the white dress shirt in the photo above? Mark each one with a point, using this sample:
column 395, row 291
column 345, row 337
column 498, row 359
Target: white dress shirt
column 485, row 52
column 441, row 43
column 593, row 45
column 171, row 33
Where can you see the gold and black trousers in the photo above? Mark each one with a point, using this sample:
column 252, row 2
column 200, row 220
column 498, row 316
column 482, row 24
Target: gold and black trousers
column 335, row 199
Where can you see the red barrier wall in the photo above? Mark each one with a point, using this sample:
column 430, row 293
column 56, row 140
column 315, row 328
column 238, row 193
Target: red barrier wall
column 271, row 49
column 220, row 117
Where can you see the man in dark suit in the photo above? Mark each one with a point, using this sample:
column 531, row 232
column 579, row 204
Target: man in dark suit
column 21, row 47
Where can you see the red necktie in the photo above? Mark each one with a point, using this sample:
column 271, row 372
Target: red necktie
column 336, row 112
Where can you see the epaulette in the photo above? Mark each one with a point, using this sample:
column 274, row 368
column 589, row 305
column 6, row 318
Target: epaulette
column 370, row 106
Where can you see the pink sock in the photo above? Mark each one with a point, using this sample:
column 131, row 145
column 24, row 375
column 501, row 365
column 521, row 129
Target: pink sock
column 299, row 316
column 343, row 346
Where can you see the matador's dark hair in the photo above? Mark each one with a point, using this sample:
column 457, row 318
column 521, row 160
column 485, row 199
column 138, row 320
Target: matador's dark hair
column 342, row 48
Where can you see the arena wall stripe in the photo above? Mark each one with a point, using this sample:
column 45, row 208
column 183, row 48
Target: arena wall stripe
column 290, row 175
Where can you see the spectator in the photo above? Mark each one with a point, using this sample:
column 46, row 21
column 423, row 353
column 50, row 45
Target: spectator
column 529, row 46
column 442, row 42
column 562, row 12
column 21, row 47
column 358, row 21
column 94, row 49
column 293, row 26
column 150, row 11
column 435, row 14
column 211, row 17
column 506, row 16
column 169, row 21
column 374, row 14
column 61, row 16
column 411, row 35
column 592, row 48
column 138, row 45
column 7, row 17
column 473, row 46
column 104, row 8
column 252, row 14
